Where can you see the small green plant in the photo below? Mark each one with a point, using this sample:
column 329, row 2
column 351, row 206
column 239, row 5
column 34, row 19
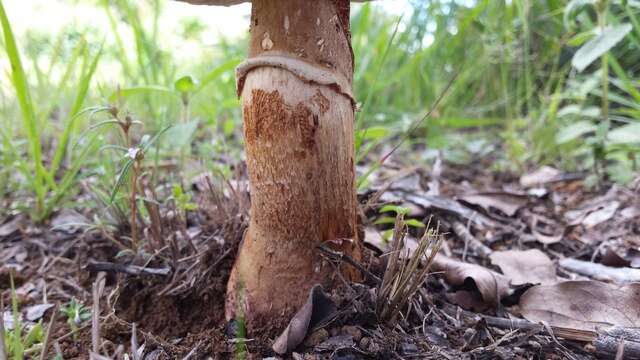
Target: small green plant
column 76, row 314
column 131, row 169
column 182, row 200
column 241, row 329
column 397, row 210
column 21, row 340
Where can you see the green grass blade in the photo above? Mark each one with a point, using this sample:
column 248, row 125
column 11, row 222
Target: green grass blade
column 21, row 86
column 83, row 88
column 121, row 178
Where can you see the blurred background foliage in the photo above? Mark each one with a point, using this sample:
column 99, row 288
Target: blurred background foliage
column 538, row 82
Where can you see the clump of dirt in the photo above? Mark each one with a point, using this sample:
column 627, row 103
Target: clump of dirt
column 176, row 315
column 195, row 315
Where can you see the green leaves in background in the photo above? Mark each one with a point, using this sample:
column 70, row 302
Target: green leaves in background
column 575, row 131
column 599, row 45
column 626, row 134
column 48, row 186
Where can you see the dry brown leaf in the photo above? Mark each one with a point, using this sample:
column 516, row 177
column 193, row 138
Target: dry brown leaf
column 68, row 221
column 525, row 267
column 546, row 231
column 596, row 211
column 540, row 176
column 583, row 305
column 506, row 202
column 483, row 288
column 11, row 226
column 318, row 308
column 36, row 312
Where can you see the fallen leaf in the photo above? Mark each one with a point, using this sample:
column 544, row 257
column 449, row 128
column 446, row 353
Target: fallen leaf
column 318, row 308
column 543, row 175
column 483, row 288
column 8, row 320
column 446, row 204
column 597, row 210
column 611, row 258
column 11, row 226
column 36, row 312
column 546, row 239
column 334, row 343
column 602, row 214
column 506, row 202
column 545, row 231
column 375, row 239
column 68, row 221
column 525, row 267
column 630, row 212
column 583, row 305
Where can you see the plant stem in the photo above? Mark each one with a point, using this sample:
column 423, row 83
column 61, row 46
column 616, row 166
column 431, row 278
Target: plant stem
column 134, row 230
column 599, row 161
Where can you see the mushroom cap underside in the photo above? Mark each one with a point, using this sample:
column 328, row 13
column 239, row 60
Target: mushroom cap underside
column 229, row 2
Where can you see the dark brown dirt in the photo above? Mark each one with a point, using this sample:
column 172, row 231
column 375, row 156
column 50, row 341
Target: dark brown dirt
column 191, row 321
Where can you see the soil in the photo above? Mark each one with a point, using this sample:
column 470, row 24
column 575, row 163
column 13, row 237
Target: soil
column 181, row 315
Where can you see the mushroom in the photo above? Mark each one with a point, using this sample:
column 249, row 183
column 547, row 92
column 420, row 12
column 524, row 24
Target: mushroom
column 298, row 112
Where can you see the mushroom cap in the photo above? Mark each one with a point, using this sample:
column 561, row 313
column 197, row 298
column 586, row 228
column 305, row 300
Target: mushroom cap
column 215, row 2
column 230, row 2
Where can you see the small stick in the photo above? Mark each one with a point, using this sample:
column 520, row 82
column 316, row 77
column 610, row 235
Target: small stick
column 47, row 338
column 97, row 287
column 600, row 272
column 3, row 353
column 127, row 269
column 134, row 342
column 476, row 245
column 350, row 261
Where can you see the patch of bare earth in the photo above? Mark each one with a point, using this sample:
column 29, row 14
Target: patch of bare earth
column 516, row 251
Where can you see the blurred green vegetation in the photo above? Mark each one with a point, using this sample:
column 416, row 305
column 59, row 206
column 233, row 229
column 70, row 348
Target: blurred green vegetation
column 539, row 82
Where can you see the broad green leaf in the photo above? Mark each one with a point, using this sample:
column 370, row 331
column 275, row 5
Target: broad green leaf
column 138, row 90
column 395, row 208
column 215, row 73
column 580, row 38
column 385, row 220
column 461, row 122
column 626, row 134
column 574, row 131
column 599, row 45
column 414, row 223
column 577, row 111
column 186, row 84
column 572, row 8
column 180, row 134
column 374, row 133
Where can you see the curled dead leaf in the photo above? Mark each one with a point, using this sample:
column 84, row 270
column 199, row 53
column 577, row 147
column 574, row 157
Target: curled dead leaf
column 318, row 308
column 480, row 288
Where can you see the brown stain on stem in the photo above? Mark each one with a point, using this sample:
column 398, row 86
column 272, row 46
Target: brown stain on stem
column 268, row 118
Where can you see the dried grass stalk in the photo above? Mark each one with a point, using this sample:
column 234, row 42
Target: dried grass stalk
column 405, row 272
